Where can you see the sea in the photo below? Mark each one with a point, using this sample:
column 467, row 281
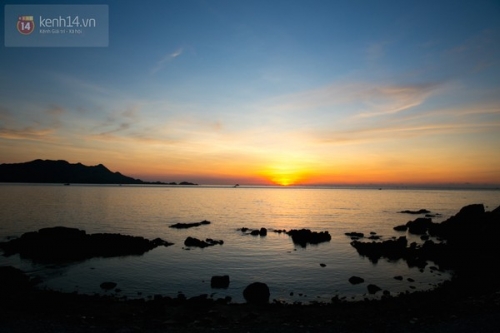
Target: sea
column 294, row 274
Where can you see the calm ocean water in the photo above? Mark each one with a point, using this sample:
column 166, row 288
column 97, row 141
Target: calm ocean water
column 287, row 268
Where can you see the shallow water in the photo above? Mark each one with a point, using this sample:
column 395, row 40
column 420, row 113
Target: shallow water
column 293, row 273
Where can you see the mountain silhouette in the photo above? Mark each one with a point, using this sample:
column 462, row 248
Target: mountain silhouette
column 49, row 171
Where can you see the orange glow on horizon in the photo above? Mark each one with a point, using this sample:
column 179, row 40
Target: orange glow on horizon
column 285, row 174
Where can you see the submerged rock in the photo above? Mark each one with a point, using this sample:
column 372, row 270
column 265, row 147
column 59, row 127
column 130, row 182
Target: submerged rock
column 355, row 234
column 108, row 285
column 416, row 212
column 356, row 280
column 189, row 225
column 71, row 244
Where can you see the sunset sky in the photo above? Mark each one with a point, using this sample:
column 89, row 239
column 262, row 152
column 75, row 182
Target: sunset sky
column 263, row 92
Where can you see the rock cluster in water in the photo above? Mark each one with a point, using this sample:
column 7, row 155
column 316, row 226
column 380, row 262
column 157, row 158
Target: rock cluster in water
column 254, row 232
column 71, row 244
column 465, row 242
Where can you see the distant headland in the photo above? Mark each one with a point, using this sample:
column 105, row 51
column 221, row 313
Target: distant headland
column 60, row 171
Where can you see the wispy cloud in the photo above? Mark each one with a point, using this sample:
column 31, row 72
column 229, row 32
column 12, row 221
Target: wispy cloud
column 363, row 99
column 388, row 100
column 166, row 59
column 26, row 133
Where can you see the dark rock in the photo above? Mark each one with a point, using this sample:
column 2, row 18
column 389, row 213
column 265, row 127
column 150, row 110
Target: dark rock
column 416, row 212
column 13, row 280
column 390, row 249
column 195, row 242
column 410, row 280
column 322, row 265
column 401, row 228
column 189, row 225
column 398, row 277
column 419, row 226
column 221, row 282
column 254, row 232
column 373, row 289
column 263, row 231
column 306, row 236
column 69, row 244
column 355, row 234
column 356, row 280
column 257, row 293
column 108, row 285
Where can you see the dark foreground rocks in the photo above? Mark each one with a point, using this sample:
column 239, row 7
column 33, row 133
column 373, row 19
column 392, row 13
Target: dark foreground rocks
column 71, row 244
column 451, row 308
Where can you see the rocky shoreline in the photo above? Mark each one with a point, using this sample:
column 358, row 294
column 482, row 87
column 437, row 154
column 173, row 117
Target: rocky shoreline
column 469, row 302
column 456, row 306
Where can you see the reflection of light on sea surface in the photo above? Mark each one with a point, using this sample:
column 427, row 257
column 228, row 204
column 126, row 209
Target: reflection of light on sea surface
column 274, row 259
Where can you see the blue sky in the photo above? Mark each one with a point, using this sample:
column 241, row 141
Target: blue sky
column 268, row 91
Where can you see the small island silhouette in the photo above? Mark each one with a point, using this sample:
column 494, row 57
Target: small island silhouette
column 60, row 171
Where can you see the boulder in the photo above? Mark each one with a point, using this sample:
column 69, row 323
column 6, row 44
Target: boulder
column 219, row 282
column 257, row 293
column 373, row 289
